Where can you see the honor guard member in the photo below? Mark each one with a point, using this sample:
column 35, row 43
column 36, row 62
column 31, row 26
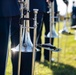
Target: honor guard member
column 73, row 15
column 26, row 57
column 9, row 18
column 47, row 29
column 41, row 6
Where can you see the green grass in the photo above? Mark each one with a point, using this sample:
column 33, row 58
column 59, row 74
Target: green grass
column 65, row 60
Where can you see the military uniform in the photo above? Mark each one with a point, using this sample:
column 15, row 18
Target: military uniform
column 9, row 17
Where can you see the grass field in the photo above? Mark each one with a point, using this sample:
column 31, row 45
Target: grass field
column 65, row 60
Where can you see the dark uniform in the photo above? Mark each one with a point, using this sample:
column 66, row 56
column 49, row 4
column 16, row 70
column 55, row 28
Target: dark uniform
column 73, row 16
column 26, row 57
column 9, row 17
column 41, row 5
column 47, row 29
